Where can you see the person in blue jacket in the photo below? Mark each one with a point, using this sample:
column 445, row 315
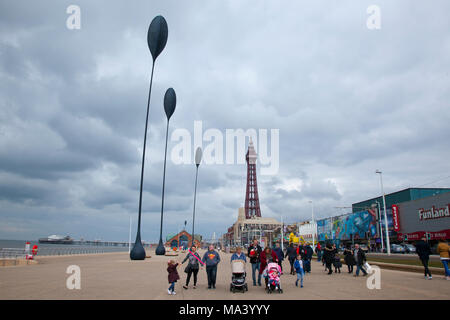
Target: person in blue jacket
column 238, row 255
column 280, row 255
column 298, row 266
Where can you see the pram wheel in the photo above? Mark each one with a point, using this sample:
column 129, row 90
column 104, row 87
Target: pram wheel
column 246, row 287
column 231, row 287
column 280, row 290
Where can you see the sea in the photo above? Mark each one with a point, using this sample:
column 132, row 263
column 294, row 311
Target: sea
column 49, row 249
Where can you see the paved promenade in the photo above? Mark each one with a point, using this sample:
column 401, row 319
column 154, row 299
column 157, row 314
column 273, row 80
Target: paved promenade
column 114, row 276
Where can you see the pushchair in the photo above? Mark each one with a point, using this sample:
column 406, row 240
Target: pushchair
column 238, row 276
column 272, row 274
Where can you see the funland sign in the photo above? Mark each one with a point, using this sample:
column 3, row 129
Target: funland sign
column 434, row 213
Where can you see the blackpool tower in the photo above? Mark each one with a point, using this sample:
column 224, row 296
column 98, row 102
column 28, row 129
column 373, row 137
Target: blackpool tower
column 252, row 209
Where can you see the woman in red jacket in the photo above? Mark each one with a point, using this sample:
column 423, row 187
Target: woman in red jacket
column 266, row 257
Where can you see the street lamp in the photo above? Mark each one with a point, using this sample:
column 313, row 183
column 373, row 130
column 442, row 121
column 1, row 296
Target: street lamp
column 198, row 159
column 388, row 246
column 312, row 221
column 156, row 40
column 170, row 102
column 282, row 233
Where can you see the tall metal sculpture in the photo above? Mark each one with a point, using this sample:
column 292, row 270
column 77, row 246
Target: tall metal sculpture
column 198, row 159
column 170, row 102
column 156, row 39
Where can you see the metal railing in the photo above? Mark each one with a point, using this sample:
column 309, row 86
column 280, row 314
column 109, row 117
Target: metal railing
column 57, row 251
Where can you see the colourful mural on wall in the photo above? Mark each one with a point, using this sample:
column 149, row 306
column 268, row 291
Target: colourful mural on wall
column 343, row 227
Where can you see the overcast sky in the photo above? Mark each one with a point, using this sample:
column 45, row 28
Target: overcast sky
column 347, row 100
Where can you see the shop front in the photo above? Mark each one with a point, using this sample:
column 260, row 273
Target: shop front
column 428, row 217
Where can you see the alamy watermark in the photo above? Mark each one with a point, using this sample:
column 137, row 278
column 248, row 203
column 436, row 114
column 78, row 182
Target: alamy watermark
column 373, row 22
column 374, row 280
column 74, row 280
column 227, row 148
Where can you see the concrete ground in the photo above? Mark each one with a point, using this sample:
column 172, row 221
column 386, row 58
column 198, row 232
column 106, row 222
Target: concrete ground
column 115, row 276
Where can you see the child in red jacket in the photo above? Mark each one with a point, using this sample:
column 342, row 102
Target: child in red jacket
column 173, row 276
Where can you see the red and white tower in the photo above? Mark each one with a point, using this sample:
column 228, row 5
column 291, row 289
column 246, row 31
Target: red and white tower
column 252, row 209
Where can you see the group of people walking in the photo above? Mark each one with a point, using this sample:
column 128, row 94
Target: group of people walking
column 210, row 260
column 299, row 258
column 423, row 250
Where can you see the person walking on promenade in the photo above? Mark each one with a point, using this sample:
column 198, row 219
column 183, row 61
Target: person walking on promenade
column 328, row 256
column 254, row 252
column 349, row 259
column 360, row 258
column 238, row 255
column 173, row 276
column 280, row 255
column 298, row 265
column 319, row 252
column 267, row 256
column 291, row 254
column 192, row 267
column 211, row 258
column 423, row 250
column 307, row 257
column 443, row 250
column 337, row 262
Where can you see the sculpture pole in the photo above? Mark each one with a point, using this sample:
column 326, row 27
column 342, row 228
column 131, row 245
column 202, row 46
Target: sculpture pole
column 156, row 40
column 170, row 101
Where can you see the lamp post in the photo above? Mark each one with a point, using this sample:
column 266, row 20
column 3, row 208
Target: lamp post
column 282, row 233
column 156, row 40
column 388, row 246
column 312, row 221
column 170, row 102
column 198, row 159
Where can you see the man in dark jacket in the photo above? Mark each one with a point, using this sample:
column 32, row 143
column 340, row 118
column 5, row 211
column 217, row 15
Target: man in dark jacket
column 328, row 257
column 291, row 254
column 280, row 255
column 423, row 251
column 360, row 258
column 307, row 257
column 254, row 252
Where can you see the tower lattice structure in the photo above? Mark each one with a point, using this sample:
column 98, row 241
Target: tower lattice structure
column 252, row 208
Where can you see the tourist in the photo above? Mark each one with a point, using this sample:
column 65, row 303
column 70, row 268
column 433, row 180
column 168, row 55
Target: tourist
column 360, row 258
column 307, row 257
column 238, row 255
column 280, row 255
column 319, row 252
column 211, row 258
column 443, row 250
column 328, row 257
column 254, row 252
column 349, row 259
column 267, row 256
column 192, row 267
column 173, row 276
column 337, row 262
column 298, row 265
column 423, row 250
column 291, row 253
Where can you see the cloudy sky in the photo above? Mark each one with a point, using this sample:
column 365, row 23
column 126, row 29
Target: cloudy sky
column 347, row 100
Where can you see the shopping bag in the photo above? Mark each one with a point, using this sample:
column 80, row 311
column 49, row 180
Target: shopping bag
column 368, row 267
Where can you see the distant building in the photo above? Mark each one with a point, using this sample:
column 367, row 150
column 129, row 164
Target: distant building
column 182, row 239
column 307, row 230
column 243, row 231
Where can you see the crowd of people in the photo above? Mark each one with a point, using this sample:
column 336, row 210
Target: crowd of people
column 299, row 257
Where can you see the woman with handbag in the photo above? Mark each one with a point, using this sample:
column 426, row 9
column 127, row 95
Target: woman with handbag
column 192, row 266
